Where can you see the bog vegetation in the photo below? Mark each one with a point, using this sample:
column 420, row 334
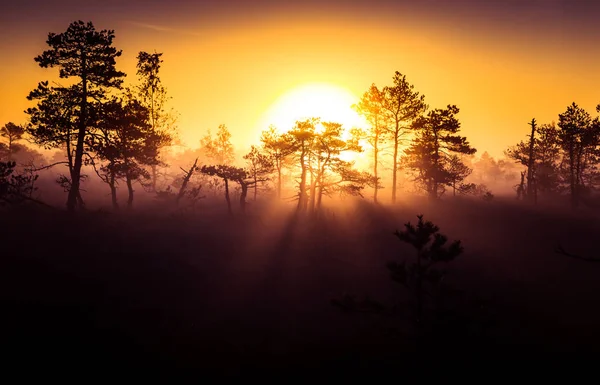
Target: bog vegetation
column 101, row 128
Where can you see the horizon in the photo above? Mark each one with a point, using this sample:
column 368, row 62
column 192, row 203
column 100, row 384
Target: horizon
column 503, row 63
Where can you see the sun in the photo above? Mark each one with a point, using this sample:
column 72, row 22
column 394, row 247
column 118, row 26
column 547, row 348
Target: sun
column 329, row 102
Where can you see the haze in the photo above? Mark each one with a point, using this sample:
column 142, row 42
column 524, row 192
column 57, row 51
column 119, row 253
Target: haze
column 228, row 62
column 271, row 187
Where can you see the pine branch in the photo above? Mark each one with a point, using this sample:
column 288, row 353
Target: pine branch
column 560, row 250
column 46, row 167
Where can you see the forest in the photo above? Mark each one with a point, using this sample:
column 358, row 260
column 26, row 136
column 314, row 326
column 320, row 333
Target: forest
column 122, row 243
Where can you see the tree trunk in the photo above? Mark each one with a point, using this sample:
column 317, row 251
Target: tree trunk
column 433, row 193
column 530, row 163
column 154, row 174
column 579, row 173
column 186, row 180
column 395, row 165
column 113, row 191
column 76, row 175
column 255, row 187
column 313, row 192
column 10, row 147
column 243, row 195
column 302, row 196
column 129, row 191
column 320, row 197
column 572, row 175
column 227, row 197
column 433, row 189
column 279, row 181
column 375, row 161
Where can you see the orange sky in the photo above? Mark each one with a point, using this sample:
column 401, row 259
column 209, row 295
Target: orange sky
column 230, row 70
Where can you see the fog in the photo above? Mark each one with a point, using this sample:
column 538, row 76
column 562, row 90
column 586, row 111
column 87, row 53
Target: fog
column 174, row 286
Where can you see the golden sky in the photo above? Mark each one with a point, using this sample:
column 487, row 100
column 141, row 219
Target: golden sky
column 229, row 68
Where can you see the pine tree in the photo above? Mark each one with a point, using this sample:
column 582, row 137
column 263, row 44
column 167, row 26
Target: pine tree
column 402, row 105
column 83, row 53
column 152, row 94
column 13, row 133
column 431, row 249
column 431, row 151
column 372, row 108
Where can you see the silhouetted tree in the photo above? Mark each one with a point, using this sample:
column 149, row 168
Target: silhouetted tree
column 13, row 133
column 343, row 178
column 457, row 172
column 403, row 105
column 259, row 167
column 301, row 138
column 531, row 163
column 53, row 124
column 436, row 140
column 153, row 95
column 578, row 137
column 544, row 166
column 14, row 188
column 372, row 108
column 476, row 190
column 83, row 53
column 231, row 173
column 318, row 148
column 127, row 141
column 186, row 180
column 547, row 154
column 431, row 249
column 331, row 172
column 279, row 148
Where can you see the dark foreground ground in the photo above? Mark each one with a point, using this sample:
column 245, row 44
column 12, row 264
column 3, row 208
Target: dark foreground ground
column 232, row 295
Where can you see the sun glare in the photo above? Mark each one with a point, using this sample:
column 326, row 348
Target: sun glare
column 328, row 102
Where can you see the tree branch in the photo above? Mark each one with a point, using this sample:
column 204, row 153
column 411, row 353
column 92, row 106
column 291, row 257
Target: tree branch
column 46, row 167
column 560, row 250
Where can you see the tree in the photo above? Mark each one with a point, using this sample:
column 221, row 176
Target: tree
column 371, row 107
column 578, row 137
column 53, row 124
column 186, row 179
column 431, row 249
column 531, row 163
column 13, row 133
column 344, row 179
column 301, row 139
column 83, row 53
column 153, row 95
column 431, row 151
column 231, row 173
column 318, row 147
column 326, row 150
column 403, row 105
column 457, row 172
column 127, row 142
column 541, row 160
column 219, row 149
column 547, row 154
column 14, row 188
column 259, row 167
column 488, row 168
column 279, row 148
